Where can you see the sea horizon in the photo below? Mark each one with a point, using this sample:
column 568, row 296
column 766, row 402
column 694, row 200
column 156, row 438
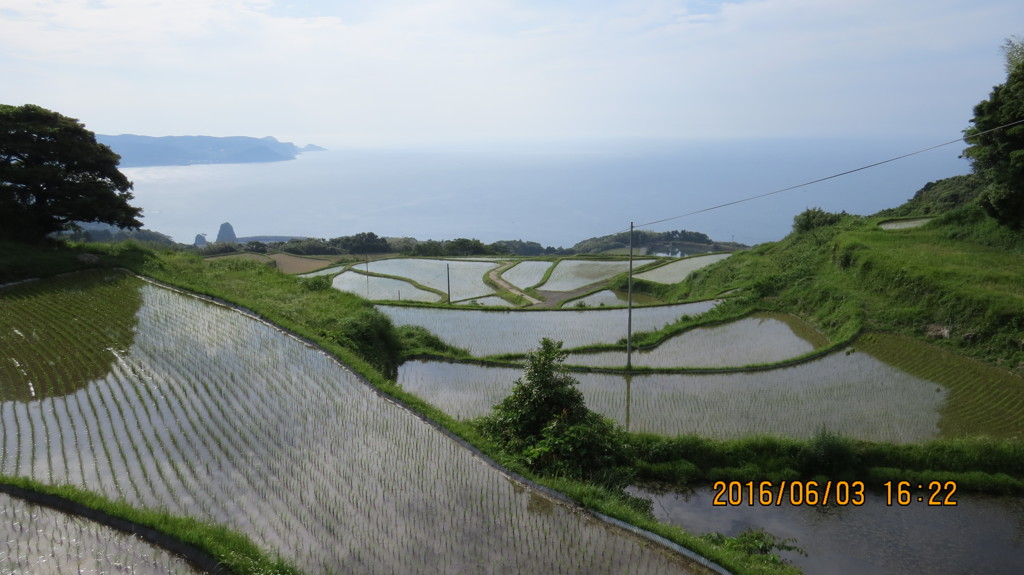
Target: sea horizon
column 553, row 193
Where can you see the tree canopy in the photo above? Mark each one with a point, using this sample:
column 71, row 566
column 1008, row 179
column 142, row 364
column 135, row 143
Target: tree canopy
column 1013, row 50
column 997, row 153
column 545, row 423
column 54, row 173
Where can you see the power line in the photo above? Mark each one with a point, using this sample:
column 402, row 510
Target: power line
column 832, row 177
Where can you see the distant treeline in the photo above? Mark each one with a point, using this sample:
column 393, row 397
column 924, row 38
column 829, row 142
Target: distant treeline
column 370, row 243
column 105, row 233
column 656, row 242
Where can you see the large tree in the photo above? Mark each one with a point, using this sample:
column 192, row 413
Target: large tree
column 997, row 152
column 53, row 173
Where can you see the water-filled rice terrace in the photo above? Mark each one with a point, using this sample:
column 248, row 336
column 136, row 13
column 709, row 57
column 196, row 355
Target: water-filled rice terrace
column 763, row 374
column 43, row 541
column 432, row 280
column 497, row 332
column 143, row 394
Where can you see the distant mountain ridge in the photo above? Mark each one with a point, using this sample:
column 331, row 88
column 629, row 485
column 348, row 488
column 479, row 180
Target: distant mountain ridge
column 137, row 151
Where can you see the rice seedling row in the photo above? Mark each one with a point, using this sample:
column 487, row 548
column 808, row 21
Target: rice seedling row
column 132, row 433
column 167, row 444
column 118, row 434
column 278, row 440
column 146, row 428
column 982, row 399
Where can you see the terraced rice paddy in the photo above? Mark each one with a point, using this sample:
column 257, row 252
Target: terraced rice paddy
column 526, row 274
column 466, row 276
column 676, row 272
column 209, row 413
column 760, row 339
column 498, row 332
column 42, row 541
column 381, row 288
column 855, row 395
column 326, row 271
column 493, row 301
column 569, row 275
column 292, row 264
column 600, row 299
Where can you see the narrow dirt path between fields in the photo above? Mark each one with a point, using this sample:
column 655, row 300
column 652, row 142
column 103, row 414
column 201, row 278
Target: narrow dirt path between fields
column 495, row 276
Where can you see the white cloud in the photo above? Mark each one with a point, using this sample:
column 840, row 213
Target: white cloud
column 449, row 69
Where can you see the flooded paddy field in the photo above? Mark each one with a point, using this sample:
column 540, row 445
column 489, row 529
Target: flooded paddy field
column 526, row 274
column 164, row 400
column 381, row 288
column 569, row 275
column 463, row 277
column 42, row 541
column 497, row 332
column 981, row 534
column 678, row 271
column 759, row 339
column 854, row 395
column 883, row 388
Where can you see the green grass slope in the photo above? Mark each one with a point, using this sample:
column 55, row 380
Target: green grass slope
column 957, row 281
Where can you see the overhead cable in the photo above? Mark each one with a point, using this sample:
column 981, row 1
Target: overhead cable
column 832, row 177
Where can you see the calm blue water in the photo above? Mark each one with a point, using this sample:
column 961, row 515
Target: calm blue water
column 555, row 195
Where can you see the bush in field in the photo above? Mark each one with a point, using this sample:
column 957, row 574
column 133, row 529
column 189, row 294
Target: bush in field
column 316, row 283
column 813, row 218
column 829, row 454
column 369, row 333
column 546, row 424
column 756, row 542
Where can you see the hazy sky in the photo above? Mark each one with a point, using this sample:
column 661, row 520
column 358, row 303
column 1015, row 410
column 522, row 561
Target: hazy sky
column 379, row 72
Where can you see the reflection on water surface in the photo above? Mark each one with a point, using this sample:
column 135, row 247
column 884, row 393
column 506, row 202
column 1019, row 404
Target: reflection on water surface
column 759, row 339
column 852, row 394
column 982, row 534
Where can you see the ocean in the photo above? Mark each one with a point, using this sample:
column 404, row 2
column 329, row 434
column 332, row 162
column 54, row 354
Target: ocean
column 556, row 195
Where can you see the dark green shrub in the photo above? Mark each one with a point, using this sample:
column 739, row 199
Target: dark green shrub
column 829, row 454
column 316, row 283
column 813, row 218
column 545, row 423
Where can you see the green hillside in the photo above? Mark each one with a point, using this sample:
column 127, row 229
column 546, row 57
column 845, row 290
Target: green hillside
column 957, row 280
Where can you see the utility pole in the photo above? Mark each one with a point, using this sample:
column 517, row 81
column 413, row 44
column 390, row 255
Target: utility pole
column 448, row 267
column 629, row 306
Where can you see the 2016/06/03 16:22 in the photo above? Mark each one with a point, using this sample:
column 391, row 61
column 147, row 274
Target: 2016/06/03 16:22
column 842, row 493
